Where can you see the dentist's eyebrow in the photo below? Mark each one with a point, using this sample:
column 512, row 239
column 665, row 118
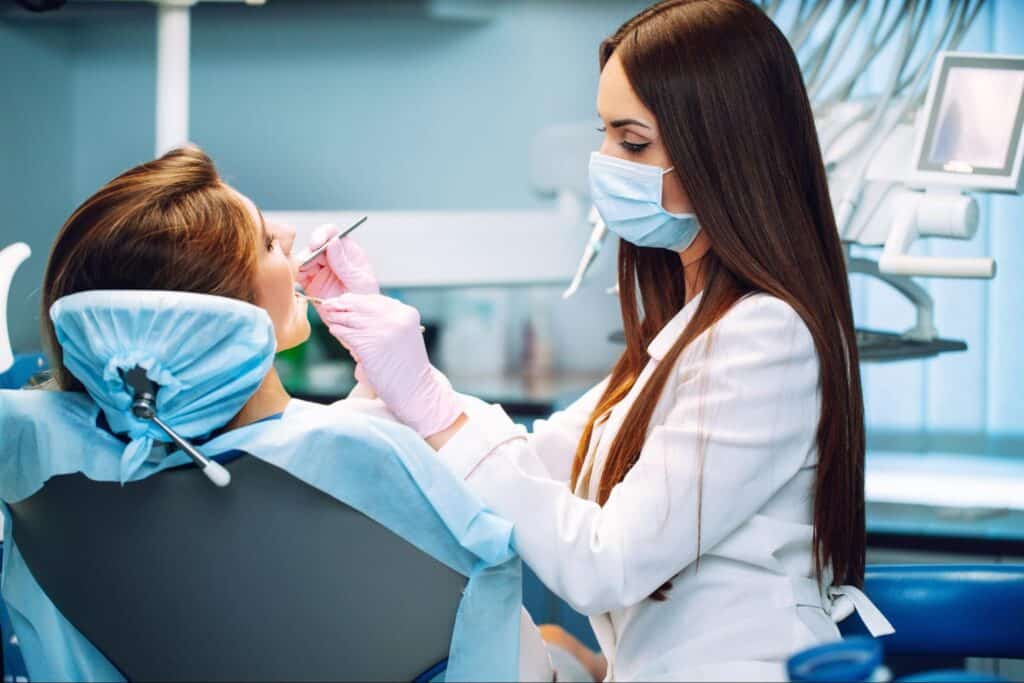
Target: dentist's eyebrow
column 619, row 123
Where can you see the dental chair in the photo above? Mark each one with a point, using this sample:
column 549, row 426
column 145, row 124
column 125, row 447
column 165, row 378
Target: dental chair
column 948, row 610
column 938, row 611
column 252, row 581
column 12, row 368
column 23, row 370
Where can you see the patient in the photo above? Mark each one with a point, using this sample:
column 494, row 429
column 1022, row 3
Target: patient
column 173, row 224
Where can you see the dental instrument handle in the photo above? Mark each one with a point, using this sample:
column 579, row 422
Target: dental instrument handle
column 323, row 247
column 590, row 252
column 214, row 471
column 317, row 301
column 217, row 473
column 302, row 293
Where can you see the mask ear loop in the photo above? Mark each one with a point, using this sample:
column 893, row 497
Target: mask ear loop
column 144, row 408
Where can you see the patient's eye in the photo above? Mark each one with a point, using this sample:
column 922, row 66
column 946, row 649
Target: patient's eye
column 268, row 241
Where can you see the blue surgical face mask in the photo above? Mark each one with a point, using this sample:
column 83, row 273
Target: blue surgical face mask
column 628, row 197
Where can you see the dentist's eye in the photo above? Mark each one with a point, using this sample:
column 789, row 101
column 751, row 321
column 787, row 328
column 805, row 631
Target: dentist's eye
column 602, row 129
column 634, row 147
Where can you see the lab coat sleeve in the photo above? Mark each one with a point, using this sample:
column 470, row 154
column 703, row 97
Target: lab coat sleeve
column 556, row 438
column 752, row 407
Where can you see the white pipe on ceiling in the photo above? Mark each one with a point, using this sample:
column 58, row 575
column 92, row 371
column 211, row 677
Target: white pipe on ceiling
column 172, row 67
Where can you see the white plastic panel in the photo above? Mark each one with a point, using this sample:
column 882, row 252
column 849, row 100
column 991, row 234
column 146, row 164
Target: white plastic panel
column 455, row 249
column 10, row 259
column 949, row 481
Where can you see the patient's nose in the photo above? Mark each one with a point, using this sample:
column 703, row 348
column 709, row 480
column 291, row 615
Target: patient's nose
column 285, row 235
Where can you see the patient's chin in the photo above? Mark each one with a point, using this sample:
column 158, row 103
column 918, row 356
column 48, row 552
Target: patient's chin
column 294, row 336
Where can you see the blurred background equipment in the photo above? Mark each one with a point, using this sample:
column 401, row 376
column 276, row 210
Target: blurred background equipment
column 10, row 258
column 40, row 5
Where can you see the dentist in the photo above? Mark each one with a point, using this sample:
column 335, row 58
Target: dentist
column 704, row 505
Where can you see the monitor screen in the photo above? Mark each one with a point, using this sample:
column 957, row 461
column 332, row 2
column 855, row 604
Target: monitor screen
column 975, row 123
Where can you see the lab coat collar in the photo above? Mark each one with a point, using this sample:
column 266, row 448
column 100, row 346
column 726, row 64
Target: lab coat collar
column 664, row 340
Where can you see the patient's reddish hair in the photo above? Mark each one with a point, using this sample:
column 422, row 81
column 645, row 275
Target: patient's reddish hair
column 168, row 224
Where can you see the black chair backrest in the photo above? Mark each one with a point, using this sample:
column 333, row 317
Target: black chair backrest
column 172, row 578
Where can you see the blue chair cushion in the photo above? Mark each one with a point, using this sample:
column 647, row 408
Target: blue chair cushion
column 951, row 676
column 949, row 610
column 25, row 365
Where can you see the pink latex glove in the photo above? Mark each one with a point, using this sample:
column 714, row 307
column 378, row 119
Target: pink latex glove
column 342, row 267
column 385, row 335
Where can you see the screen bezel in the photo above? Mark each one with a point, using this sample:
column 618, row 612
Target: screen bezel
column 1005, row 177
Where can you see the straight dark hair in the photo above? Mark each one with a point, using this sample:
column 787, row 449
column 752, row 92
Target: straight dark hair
column 726, row 90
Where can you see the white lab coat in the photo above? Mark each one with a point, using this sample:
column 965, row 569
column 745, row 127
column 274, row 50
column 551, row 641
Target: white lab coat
column 749, row 392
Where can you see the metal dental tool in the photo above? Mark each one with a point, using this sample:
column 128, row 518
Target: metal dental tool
column 344, row 233
column 144, row 407
column 590, row 253
column 301, row 292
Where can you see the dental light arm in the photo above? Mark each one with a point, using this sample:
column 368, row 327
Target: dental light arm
column 924, row 326
column 10, row 258
column 930, row 214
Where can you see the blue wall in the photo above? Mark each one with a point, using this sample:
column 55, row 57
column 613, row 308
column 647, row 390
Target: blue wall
column 327, row 105
column 35, row 150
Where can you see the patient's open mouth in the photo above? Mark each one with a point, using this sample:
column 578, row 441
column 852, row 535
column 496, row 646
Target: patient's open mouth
column 301, row 294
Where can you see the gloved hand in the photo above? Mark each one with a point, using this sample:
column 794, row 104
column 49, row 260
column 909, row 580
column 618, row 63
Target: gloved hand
column 385, row 335
column 342, row 267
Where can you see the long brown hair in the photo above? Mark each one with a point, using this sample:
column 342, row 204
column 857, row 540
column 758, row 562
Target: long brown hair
column 168, row 224
column 726, row 90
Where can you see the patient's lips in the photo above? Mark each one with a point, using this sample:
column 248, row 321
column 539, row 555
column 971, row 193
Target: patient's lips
column 301, row 293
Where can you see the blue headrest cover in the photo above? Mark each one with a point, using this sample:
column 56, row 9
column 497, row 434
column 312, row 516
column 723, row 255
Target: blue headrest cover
column 208, row 354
